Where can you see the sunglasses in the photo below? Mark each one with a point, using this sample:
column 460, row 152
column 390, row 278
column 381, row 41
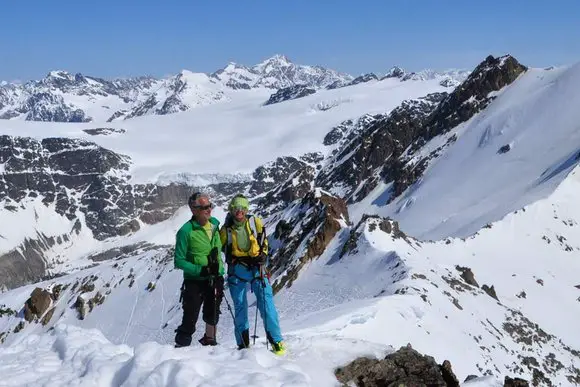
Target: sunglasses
column 236, row 209
column 203, row 208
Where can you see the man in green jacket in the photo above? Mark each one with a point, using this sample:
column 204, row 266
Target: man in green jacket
column 197, row 253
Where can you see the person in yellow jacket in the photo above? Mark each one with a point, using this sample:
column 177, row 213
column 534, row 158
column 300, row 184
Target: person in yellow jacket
column 245, row 246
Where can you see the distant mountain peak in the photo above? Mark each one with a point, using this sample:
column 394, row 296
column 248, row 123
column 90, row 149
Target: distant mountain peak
column 395, row 72
column 279, row 58
column 58, row 74
column 274, row 62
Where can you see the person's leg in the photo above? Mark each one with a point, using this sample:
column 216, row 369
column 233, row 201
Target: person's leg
column 267, row 308
column 238, row 291
column 191, row 304
column 212, row 298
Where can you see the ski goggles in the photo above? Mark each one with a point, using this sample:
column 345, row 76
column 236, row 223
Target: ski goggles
column 239, row 208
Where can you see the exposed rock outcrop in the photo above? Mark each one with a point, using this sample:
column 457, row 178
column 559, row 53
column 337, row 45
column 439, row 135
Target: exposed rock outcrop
column 405, row 367
column 38, row 303
column 303, row 232
column 288, row 93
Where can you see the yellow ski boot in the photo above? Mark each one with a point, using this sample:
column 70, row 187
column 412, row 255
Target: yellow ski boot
column 279, row 348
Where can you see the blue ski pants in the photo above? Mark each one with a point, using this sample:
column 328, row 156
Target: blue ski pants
column 239, row 279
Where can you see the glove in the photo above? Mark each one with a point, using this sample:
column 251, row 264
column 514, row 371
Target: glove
column 212, row 262
column 204, row 271
column 208, row 270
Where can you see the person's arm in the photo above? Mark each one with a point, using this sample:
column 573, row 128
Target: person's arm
column 180, row 258
column 260, row 226
column 223, row 237
column 218, row 242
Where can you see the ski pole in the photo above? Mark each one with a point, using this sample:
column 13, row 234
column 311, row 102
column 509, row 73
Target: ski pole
column 264, row 301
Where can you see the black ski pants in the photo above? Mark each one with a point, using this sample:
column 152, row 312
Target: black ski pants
column 198, row 294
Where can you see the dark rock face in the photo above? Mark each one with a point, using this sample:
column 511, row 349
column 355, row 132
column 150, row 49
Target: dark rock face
column 44, row 106
column 386, row 225
column 504, row 149
column 103, row 131
column 118, row 114
column 472, row 95
column 38, row 303
column 363, row 79
column 284, row 180
column 375, row 149
column 77, row 176
column 360, row 79
column 515, row 382
column 467, row 275
column 349, row 130
column 375, row 145
column 490, row 291
column 385, row 148
column 405, row 367
column 74, row 176
column 57, row 169
column 277, row 171
column 394, row 72
column 43, row 100
column 448, row 82
column 288, row 93
column 314, row 221
column 296, row 187
column 26, row 263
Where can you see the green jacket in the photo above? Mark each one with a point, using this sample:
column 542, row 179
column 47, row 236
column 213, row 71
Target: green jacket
column 192, row 246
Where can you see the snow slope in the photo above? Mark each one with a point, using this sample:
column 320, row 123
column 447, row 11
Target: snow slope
column 112, row 324
column 474, row 183
column 385, row 293
column 192, row 147
column 203, row 140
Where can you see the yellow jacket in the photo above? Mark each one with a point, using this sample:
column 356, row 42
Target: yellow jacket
column 254, row 250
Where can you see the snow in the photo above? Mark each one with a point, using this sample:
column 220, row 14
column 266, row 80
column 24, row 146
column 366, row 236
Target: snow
column 70, row 355
column 512, row 256
column 387, row 292
column 471, row 184
column 199, row 180
column 332, row 314
column 15, row 225
column 98, row 109
column 203, row 140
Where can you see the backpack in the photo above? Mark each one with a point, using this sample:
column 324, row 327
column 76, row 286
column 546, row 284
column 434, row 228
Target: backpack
column 260, row 237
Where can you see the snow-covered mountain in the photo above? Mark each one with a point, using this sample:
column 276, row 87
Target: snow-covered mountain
column 64, row 97
column 176, row 94
column 451, row 77
column 409, row 212
column 278, row 72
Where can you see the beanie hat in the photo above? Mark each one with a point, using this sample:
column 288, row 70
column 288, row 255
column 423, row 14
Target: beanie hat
column 239, row 201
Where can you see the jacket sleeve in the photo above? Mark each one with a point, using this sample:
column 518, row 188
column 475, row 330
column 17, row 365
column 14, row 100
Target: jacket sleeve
column 180, row 258
column 223, row 237
column 217, row 242
column 260, row 227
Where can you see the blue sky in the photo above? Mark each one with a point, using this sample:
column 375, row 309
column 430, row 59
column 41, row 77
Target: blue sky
column 110, row 38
